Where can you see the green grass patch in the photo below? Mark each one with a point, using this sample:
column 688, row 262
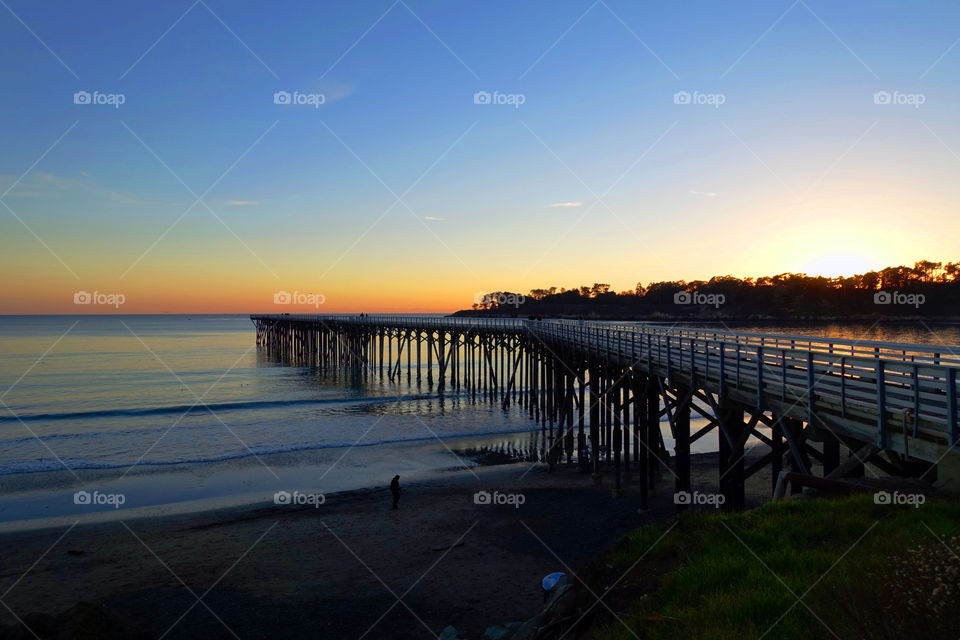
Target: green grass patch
column 858, row 569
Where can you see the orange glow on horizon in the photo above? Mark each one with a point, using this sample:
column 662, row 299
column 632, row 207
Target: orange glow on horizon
column 207, row 284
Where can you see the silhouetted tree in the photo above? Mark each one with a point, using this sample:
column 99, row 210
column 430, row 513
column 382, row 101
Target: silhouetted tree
column 795, row 295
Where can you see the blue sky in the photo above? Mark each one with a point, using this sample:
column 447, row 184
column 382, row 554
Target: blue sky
column 798, row 169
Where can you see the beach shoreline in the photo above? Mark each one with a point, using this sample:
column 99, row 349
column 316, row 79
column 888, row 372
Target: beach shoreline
column 47, row 499
column 331, row 570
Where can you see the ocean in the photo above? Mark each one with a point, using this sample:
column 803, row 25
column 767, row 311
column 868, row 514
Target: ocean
column 189, row 400
column 114, row 391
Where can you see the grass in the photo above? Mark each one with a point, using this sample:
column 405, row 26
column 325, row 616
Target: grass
column 802, row 569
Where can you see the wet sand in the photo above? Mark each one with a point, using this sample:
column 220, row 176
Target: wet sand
column 34, row 500
column 338, row 570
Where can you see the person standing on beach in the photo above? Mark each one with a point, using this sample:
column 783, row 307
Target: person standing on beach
column 395, row 490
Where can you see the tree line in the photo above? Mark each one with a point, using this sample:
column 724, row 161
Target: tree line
column 928, row 289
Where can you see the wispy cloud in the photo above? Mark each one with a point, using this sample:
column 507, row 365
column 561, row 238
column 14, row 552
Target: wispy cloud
column 241, row 203
column 48, row 185
column 334, row 92
column 708, row 194
column 564, row 204
column 434, row 218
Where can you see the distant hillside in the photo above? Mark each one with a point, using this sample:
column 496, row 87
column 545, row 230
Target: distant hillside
column 926, row 290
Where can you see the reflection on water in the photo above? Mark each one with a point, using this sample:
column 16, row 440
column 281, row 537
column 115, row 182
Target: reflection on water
column 527, row 447
column 919, row 332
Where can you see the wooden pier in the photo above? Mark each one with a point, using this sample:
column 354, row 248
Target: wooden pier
column 605, row 387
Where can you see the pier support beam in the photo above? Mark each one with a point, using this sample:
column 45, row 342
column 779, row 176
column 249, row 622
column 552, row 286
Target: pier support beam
column 831, row 453
column 731, row 454
column 681, row 435
column 640, row 436
column 652, row 425
column 776, row 454
column 625, row 403
column 799, row 462
column 595, row 426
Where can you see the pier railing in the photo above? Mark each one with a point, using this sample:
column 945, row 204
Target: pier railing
column 779, row 368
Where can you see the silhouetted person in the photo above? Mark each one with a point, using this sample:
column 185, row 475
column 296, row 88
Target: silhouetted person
column 395, row 490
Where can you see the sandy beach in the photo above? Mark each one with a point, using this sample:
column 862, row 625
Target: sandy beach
column 348, row 568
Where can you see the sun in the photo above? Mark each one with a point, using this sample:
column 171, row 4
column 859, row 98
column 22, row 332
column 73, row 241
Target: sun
column 838, row 264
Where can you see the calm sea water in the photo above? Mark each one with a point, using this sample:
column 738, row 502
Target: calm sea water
column 89, row 392
column 112, row 391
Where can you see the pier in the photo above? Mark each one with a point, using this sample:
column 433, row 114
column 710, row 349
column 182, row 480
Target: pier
column 814, row 403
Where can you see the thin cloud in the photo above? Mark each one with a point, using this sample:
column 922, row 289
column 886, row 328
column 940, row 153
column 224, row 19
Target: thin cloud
column 48, row 185
column 708, row 194
column 334, row 92
column 433, row 218
column 564, row 204
column 241, row 203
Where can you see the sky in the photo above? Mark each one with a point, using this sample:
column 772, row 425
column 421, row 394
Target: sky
column 230, row 157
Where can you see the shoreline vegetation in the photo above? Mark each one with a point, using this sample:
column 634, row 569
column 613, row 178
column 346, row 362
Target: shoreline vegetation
column 927, row 290
column 796, row 569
